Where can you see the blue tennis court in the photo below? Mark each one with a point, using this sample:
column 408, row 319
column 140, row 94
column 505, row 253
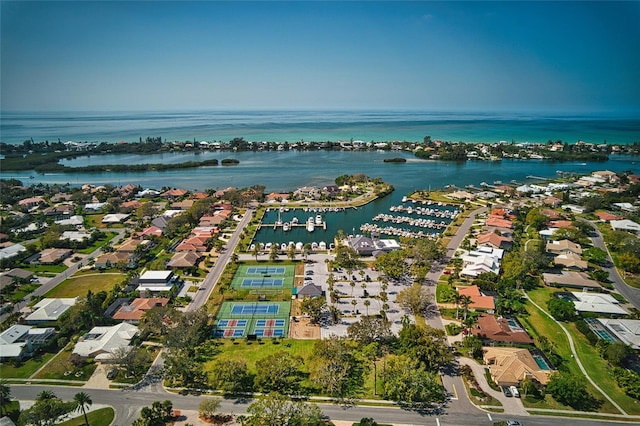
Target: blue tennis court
column 262, row 282
column 230, row 332
column 254, row 309
column 257, row 270
column 232, row 323
column 268, row 332
column 270, row 323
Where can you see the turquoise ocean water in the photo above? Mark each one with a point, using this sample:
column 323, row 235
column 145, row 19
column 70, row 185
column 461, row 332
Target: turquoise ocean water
column 293, row 126
column 286, row 171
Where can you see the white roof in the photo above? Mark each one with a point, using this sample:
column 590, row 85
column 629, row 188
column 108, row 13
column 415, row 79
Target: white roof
column 114, row 217
column 13, row 334
column 73, row 220
column 625, row 225
column 156, row 275
column 94, row 206
column 75, row 236
column 101, row 342
column 7, row 252
column 154, row 288
column 628, row 331
column 597, row 302
column 51, row 309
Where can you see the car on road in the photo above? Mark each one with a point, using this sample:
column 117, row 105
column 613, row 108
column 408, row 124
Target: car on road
column 506, row 391
column 514, row 391
column 514, row 423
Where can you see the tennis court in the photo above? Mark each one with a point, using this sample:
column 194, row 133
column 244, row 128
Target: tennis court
column 261, row 282
column 263, row 277
column 264, row 270
column 262, row 319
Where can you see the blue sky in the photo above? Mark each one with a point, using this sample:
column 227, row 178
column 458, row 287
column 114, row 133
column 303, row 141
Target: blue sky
column 491, row 56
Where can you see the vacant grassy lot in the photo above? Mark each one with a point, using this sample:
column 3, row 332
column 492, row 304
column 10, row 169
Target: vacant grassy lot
column 99, row 243
column 78, row 285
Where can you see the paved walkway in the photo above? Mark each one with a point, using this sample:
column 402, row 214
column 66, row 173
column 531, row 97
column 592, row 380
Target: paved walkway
column 575, row 356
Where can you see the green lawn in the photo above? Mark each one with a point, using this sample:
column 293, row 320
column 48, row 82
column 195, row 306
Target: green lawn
column 595, row 365
column 78, row 285
column 97, row 244
column 100, row 417
column 8, row 371
column 57, row 368
column 39, row 269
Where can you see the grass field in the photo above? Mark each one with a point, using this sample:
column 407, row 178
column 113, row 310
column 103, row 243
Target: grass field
column 57, row 368
column 28, row 367
column 100, row 417
column 78, row 285
column 598, row 368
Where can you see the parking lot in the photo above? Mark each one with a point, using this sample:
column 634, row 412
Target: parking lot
column 366, row 281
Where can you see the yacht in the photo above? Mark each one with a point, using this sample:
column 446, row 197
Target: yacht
column 286, row 226
column 310, row 224
column 318, row 219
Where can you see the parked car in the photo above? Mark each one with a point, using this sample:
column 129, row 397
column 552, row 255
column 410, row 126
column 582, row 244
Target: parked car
column 112, row 373
column 506, row 391
column 514, row 391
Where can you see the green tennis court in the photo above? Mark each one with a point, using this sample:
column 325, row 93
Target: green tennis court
column 263, row 277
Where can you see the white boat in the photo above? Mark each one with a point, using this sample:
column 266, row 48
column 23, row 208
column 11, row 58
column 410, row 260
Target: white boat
column 404, row 199
column 286, row 226
column 318, row 219
column 294, row 220
column 310, row 224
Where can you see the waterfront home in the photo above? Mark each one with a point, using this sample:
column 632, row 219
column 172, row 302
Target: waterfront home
column 174, row 194
column 571, row 279
column 606, row 176
column 100, row 343
column 490, row 328
column 509, row 366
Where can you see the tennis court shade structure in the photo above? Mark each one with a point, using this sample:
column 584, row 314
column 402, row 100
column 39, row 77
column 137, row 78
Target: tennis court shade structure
column 262, row 319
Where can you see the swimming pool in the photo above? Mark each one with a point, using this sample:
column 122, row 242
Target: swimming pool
column 542, row 363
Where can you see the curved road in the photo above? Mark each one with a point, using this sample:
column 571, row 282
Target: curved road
column 632, row 294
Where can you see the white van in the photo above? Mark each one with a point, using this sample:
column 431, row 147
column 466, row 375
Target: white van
column 514, row 391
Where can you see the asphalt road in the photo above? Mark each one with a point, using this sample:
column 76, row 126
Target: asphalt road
column 632, row 294
column 214, row 274
column 129, row 403
column 50, row 284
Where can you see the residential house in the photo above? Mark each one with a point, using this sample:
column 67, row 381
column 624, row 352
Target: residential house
column 133, row 312
column 12, row 250
column 114, row 218
column 156, row 281
column 563, row 247
column 31, row 202
column 490, row 328
column 597, row 302
column 113, row 259
column 483, row 259
column 51, row 256
column 20, row 341
column 625, row 330
column 479, row 302
column 494, row 240
column 509, row 366
column 174, row 194
column 184, row 259
column 625, row 225
column 572, row 279
column 570, row 261
column 100, row 343
column 50, row 309
column 607, row 217
column 151, row 231
column 182, row 205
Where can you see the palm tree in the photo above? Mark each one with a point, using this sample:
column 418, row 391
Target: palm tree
column 256, row 251
column 353, row 285
column 456, row 299
column 465, row 301
column 354, row 303
column 83, row 401
column 367, row 303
